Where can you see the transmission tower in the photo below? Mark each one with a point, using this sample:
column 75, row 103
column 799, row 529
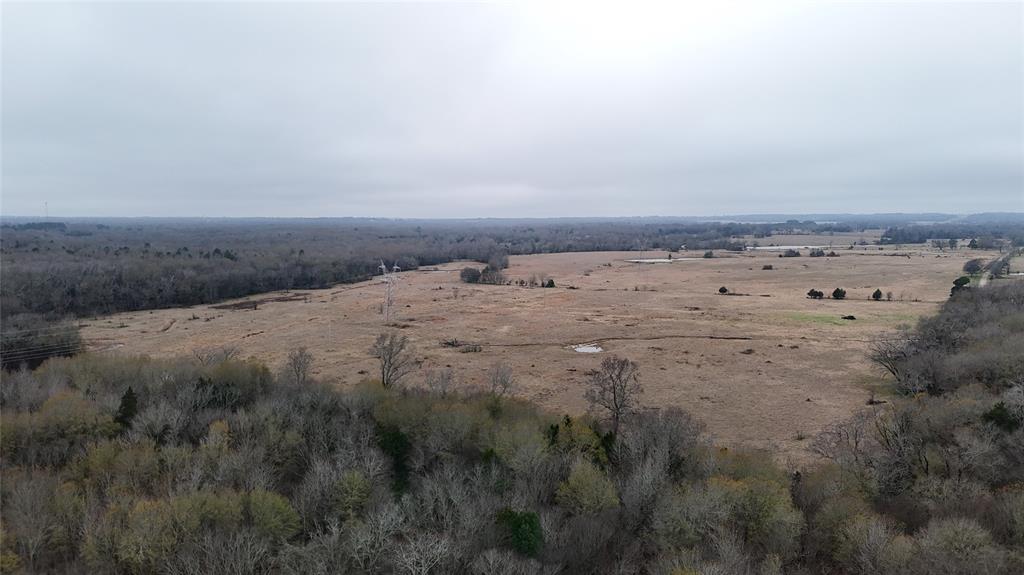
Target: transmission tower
column 390, row 279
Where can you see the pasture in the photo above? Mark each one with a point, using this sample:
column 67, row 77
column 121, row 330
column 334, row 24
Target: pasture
column 762, row 366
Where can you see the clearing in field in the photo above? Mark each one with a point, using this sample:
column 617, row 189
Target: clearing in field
column 762, row 365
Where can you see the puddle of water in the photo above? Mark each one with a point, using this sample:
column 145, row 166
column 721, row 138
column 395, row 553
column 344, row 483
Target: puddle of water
column 588, row 348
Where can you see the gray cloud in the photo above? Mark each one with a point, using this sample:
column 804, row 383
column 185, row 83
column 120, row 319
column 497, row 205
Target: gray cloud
column 458, row 110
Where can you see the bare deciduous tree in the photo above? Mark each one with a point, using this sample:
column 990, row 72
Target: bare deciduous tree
column 439, row 381
column 370, row 541
column 419, row 554
column 298, row 365
column 889, row 352
column 28, row 516
column 213, row 356
column 500, row 379
column 395, row 355
column 615, row 388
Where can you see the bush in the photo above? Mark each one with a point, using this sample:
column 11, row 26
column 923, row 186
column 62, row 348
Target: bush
column 876, row 295
column 815, row 294
column 550, row 283
column 523, row 527
column 959, row 284
column 709, row 254
column 973, row 266
column 352, row 492
column 762, row 513
column 839, row 293
column 1001, row 417
column 723, row 290
column 817, row 253
column 958, row 546
column 470, row 275
column 272, row 516
column 767, row 267
column 790, row 253
column 587, row 490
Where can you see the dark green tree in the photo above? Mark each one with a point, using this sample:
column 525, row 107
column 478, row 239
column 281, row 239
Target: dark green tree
column 839, row 293
column 877, row 295
column 525, row 532
column 128, row 409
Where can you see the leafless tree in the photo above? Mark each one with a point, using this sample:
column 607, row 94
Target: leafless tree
column 439, row 381
column 239, row 552
column 213, row 356
column 846, row 442
column 889, row 352
column 500, row 379
column 298, row 365
column 395, row 355
column 369, row 542
column 27, row 514
column 419, row 554
column 615, row 388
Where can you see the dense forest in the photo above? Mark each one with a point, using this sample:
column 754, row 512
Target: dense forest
column 135, row 465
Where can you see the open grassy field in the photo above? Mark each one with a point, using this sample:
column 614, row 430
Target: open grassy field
column 764, row 366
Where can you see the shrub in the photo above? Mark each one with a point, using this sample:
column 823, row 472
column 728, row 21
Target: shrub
column 723, row 290
column 524, row 530
column 767, row 267
column 470, row 275
column 272, row 516
column 1002, row 417
column 817, row 253
column 958, row 546
column 587, row 490
column 762, row 514
column 815, row 294
column 869, row 545
column 550, row 283
column 973, row 266
column 687, row 516
column 352, row 492
column 876, row 295
column 959, row 284
column 790, row 253
column 709, row 254
column 839, row 293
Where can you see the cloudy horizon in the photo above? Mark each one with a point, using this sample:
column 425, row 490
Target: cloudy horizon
column 501, row 110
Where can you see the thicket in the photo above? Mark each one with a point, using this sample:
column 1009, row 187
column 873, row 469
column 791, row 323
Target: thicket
column 135, row 465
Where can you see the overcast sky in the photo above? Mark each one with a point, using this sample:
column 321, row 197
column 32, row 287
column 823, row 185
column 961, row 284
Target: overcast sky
column 468, row 110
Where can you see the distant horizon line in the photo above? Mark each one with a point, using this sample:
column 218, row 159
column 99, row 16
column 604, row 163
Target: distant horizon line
column 787, row 215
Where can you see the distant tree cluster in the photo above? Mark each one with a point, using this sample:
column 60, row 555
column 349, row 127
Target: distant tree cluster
column 987, row 235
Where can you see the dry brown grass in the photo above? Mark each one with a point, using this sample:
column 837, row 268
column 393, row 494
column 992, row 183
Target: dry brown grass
column 806, row 368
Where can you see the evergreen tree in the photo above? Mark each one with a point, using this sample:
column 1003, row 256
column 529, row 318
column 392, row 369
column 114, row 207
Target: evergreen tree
column 128, row 408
